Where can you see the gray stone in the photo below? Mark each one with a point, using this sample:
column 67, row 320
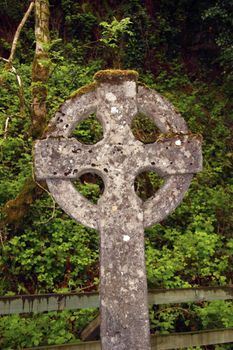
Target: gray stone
column 120, row 215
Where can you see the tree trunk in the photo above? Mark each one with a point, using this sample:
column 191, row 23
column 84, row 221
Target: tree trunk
column 40, row 68
column 15, row 210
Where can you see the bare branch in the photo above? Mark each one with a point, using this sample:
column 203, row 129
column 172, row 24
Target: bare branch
column 2, row 238
column 17, row 33
column 6, row 127
column 9, row 61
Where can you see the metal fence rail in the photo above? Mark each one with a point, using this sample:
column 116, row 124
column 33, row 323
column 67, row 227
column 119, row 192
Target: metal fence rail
column 71, row 301
column 161, row 342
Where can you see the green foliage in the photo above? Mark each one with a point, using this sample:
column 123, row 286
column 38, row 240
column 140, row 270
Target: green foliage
column 91, row 186
column 113, row 37
column 188, row 259
column 164, row 319
column 14, row 150
column 144, row 129
column 112, row 32
column 53, row 328
column 30, row 256
column 89, row 130
column 66, row 77
column 147, row 184
column 218, row 16
column 191, row 317
column 79, row 21
column 217, row 314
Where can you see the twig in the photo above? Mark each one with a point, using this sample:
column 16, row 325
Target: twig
column 2, row 240
column 53, row 212
column 84, row 288
column 175, row 308
column 6, row 127
column 12, row 54
column 17, row 33
column 13, row 69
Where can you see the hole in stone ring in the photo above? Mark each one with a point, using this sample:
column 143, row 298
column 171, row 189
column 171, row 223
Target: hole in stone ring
column 147, row 183
column 144, row 129
column 89, row 131
column 68, row 172
column 76, row 150
column 90, row 185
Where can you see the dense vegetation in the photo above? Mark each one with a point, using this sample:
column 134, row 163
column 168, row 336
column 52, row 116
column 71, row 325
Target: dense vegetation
column 183, row 50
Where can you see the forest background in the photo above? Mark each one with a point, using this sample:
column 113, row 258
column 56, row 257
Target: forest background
column 184, row 50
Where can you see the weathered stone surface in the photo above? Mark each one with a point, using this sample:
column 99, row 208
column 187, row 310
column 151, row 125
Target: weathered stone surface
column 120, row 215
column 69, row 158
column 166, row 118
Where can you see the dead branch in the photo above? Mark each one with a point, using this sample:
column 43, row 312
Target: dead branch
column 17, row 33
column 6, row 127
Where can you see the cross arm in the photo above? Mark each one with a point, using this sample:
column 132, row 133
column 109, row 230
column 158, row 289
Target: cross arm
column 180, row 154
column 62, row 158
column 58, row 160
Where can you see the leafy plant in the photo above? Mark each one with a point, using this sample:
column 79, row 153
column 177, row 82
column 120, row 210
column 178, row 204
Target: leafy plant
column 112, row 37
column 113, row 32
column 17, row 332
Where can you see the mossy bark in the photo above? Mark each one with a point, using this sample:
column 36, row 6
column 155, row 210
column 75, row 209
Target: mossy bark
column 40, row 68
column 15, row 210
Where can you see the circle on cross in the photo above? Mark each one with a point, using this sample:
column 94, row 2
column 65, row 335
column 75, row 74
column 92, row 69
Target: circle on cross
column 118, row 158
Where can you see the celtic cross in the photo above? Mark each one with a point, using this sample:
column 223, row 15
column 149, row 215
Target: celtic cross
column 120, row 216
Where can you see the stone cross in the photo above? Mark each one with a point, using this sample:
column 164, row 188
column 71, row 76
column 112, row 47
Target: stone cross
column 120, row 216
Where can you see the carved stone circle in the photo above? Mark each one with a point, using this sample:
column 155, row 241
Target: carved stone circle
column 116, row 98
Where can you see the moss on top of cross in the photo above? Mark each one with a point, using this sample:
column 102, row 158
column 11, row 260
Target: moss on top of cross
column 115, row 75
column 83, row 90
